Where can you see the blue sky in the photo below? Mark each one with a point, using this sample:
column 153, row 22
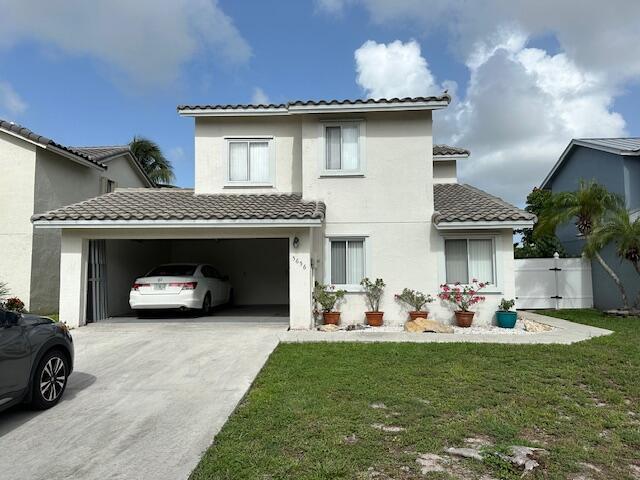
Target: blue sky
column 102, row 85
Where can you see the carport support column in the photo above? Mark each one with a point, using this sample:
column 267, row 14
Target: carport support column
column 73, row 278
column 300, row 280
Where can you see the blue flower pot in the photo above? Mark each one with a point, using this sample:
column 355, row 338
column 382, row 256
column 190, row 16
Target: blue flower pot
column 506, row 319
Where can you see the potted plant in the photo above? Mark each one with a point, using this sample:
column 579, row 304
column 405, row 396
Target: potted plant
column 463, row 298
column 328, row 297
column 505, row 317
column 373, row 294
column 416, row 300
column 14, row 304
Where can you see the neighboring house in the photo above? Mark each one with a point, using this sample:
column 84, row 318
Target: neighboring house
column 286, row 195
column 38, row 175
column 615, row 164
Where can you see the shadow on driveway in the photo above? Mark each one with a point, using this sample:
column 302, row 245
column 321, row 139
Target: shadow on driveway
column 20, row 414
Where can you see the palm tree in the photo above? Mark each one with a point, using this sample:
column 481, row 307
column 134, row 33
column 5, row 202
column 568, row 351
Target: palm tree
column 152, row 160
column 589, row 206
column 623, row 232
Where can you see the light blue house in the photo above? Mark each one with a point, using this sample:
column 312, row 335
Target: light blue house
column 615, row 164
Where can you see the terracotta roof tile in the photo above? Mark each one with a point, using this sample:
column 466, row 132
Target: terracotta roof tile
column 184, row 204
column 449, row 150
column 454, row 202
column 92, row 154
column 359, row 101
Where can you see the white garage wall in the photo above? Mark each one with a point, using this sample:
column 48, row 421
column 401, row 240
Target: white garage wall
column 126, row 261
column 258, row 269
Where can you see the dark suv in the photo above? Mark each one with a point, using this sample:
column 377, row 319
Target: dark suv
column 36, row 358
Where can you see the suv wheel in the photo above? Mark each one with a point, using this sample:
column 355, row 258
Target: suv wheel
column 50, row 380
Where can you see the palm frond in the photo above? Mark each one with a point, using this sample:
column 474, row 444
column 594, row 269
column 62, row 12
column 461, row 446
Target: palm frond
column 152, row 160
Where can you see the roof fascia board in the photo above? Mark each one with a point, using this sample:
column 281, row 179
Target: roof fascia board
column 245, row 223
column 483, row 225
column 24, row 139
column 450, row 157
column 235, row 112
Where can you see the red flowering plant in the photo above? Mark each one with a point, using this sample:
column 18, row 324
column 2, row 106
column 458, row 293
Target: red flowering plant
column 462, row 296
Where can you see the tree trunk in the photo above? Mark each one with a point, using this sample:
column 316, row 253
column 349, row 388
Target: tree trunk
column 612, row 274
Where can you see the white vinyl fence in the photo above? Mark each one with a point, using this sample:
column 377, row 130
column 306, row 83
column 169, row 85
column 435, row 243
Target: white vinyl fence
column 553, row 283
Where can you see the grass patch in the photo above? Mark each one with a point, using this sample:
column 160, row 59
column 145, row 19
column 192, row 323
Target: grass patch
column 580, row 402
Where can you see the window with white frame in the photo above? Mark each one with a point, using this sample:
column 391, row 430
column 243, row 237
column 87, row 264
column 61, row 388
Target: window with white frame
column 469, row 258
column 249, row 161
column 347, row 261
column 342, row 147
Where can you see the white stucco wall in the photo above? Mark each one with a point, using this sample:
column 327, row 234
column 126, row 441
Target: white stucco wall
column 17, row 167
column 390, row 206
column 212, row 156
column 60, row 181
column 444, row 171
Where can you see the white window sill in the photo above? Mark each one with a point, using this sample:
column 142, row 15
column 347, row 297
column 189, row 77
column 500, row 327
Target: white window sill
column 340, row 173
column 247, row 185
column 350, row 288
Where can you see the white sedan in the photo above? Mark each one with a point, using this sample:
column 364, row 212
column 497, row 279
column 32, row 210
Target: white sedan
column 184, row 286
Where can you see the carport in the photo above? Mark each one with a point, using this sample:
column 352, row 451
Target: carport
column 262, row 242
column 257, row 269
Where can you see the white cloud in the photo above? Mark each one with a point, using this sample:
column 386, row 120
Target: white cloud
column 259, row 97
column 521, row 108
column 394, row 70
column 145, row 41
column 10, row 101
column 594, row 37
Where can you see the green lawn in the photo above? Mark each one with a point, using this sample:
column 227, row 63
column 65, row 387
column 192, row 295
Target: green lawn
column 579, row 402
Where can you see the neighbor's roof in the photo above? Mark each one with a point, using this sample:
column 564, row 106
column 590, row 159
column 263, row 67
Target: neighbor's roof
column 184, row 205
column 454, row 202
column 95, row 155
column 623, row 146
column 620, row 146
column 442, row 150
column 319, row 106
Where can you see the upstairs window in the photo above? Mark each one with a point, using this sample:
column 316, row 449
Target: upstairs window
column 250, row 161
column 342, row 147
column 467, row 259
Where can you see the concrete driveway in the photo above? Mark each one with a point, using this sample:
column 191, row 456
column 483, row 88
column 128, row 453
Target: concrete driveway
column 145, row 400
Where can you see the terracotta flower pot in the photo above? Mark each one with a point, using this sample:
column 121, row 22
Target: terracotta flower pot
column 418, row 314
column 374, row 318
column 464, row 319
column 332, row 318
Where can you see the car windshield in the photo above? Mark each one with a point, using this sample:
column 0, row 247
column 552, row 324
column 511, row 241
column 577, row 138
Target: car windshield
column 173, row 271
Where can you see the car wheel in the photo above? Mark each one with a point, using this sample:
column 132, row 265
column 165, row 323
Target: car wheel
column 206, row 304
column 50, row 380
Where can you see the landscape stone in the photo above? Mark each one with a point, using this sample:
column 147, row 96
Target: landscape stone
column 465, row 453
column 329, row 327
column 420, row 325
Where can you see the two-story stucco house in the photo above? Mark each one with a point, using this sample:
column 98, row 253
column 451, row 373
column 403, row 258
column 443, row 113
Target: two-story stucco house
column 37, row 175
column 615, row 164
column 286, row 195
